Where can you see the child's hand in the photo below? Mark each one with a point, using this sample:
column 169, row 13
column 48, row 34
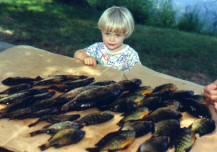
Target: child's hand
column 210, row 92
column 90, row 61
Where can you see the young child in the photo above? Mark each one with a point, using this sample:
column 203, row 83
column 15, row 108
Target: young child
column 116, row 24
column 210, row 92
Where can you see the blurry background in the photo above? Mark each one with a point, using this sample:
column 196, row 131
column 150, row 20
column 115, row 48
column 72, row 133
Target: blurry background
column 175, row 37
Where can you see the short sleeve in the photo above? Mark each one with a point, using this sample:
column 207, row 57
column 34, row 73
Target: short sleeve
column 134, row 59
column 92, row 49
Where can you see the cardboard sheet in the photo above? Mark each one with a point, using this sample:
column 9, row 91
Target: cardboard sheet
column 31, row 62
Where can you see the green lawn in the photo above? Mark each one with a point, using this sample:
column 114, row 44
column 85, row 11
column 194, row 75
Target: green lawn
column 62, row 29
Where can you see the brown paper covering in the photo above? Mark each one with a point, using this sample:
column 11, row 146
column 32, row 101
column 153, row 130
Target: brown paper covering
column 27, row 61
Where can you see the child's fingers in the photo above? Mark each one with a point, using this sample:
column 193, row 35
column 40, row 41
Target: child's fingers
column 90, row 61
column 215, row 105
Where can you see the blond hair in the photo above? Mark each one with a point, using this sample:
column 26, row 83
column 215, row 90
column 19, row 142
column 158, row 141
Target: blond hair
column 117, row 19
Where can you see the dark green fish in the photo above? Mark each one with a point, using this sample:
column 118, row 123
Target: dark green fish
column 10, row 81
column 140, row 127
column 56, row 118
column 103, row 83
column 138, row 114
column 96, row 118
column 164, row 88
column 152, row 102
column 130, row 85
column 155, row 144
column 203, row 126
column 179, row 94
column 71, row 84
column 166, row 127
column 17, row 88
column 63, row 137
column 163, row 114
column 54, row 128
column 143, row 90
column 114, row 141
column 183, row 140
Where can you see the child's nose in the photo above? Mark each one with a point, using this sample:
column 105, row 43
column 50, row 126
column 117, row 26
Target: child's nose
column 112, row 38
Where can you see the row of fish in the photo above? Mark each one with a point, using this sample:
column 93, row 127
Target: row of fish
column 144, row 110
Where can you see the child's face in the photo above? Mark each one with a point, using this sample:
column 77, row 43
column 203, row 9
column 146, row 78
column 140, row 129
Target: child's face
column 113, row 41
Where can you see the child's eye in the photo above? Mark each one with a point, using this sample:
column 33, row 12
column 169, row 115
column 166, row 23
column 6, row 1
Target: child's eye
column 107, row 34
column 117, row 35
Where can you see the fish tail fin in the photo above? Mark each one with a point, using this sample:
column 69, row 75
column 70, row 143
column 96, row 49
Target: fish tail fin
column 35, row 133
column 44, row 146
column 93, row 150
column 33, row 124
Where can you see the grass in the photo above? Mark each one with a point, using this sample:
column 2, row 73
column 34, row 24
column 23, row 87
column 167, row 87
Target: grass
column 63, row 29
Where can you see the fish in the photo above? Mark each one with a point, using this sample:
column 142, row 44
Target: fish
column 103, row 83
column 152, row 102
column 57, row 79
column 179, row 94
column 130, row 85
column 143, row 90
column 203, row 126
column 139, row 114
column 17, row 88
column 71, row 84
column 11, row 81
column 94, row 97
column 166, row 127
column 164, row 88
column 63, row 137
column 155, row 144
column 54, row 128
column 163, row 114
column 140, row 127
column 114, row 141
column 56, row 118
column 183, row 140
column 195, row 108
column 96, row 118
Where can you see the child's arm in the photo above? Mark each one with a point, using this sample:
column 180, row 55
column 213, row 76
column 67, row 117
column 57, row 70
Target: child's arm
column 83, row 56
column 210, row 92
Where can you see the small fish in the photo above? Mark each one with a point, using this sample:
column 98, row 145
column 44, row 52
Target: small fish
column 183, row 140
column 140, row 127
column 56, row 118
column 10, row 81
column 179, row 94
column 114, row 141
column 164, row 88
column 96, row 118
column 54, row 128
column 166, row 127
column 155, row 144
column 103, row 83
column 163, row 114
column 203, row 126
column 143, row 90
column 138, row 114
column 63, row 137
column 152, row 102
column 130, row 85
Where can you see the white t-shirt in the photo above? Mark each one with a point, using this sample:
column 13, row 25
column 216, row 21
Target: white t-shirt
column 123, row 60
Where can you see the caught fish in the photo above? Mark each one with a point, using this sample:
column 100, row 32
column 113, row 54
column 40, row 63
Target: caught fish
column 63, row 137
column 179, row 94
column 96, row 118
column 114, row 141
column 163, row 114
column 138, row 114
column 130, row 85
column 155, row 144
column 56, row 118
column 203, row 126
column 183, row 140
column 69, row 85
column 164, row 88
column 103, row 83
column 152, row 102
column 54, row 128
column 10, row 81
column 17, row 88
column 98, row 96
column 166, row 127
column 140, row 127
column 143, row 90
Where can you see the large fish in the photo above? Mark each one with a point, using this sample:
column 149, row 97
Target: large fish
column 10, row 81
column 63, row 137
column 114, row 141
column 17, row 88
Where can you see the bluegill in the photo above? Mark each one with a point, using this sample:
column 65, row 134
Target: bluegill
column 203, row 126
column 63, row 137
column 11, row 81
column 183, row 140
column 56, row 118
column 155, row 144
column 179, row 94
column 140, row 127
column 96, row 118
column 164, row 88
column 54, row 128
column 166, row 127
column 152, row 102
column 130, row 85
column 143, row 90
column 114, row 141
column 163, row 114
column 138, row 114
